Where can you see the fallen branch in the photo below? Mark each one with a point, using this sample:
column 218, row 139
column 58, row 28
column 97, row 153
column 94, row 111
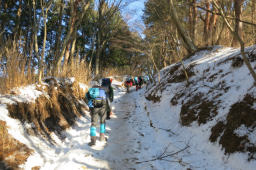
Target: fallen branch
column 164, row 155
column 168, row 130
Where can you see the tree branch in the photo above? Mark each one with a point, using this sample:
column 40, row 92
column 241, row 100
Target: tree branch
column 229, row 17
column 164, row 155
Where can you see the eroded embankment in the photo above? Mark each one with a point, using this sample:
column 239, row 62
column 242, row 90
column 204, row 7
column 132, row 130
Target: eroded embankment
column 52, row 112
column 206, row 98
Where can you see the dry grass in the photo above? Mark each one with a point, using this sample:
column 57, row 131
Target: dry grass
column 52, row 114
column 79, row 70
column 13, row 66
column 12, row 152
column 15, row 73
column 110, row 71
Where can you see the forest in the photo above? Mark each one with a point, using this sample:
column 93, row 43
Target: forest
column 74, row 38
column 195, row 109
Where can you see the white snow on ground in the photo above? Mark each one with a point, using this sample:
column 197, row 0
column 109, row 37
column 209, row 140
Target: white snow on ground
column 167, row 136
column 141, row 134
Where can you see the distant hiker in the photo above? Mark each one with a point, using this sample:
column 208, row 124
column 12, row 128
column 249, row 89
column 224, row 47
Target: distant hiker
column 128, row 83
column 141, row 81
column 97, row 102
column 106, row 83
column 138, row 82
column 146, row 79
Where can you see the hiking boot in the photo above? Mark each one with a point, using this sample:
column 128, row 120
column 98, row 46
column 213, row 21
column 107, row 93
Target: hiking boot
column 108, row 115
column 102, row 137
column 93, row 141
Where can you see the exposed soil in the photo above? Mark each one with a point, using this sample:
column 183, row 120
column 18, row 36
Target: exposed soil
column 212, row 77
column 174, row 68
column 198, row 50
column 252, row 56
column 197, row 109
column 153, row 97
column 52, row 113
column 12, row 152
column 174, row 100
column 241, row 113
column 216, row 131
column 237, row 62
column 176, row 74
column 179, row 75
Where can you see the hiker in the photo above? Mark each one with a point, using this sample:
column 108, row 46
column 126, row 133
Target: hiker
column 146, row 79
column 97, row 102
column 106, row 83
column 141, row 82
column 128, row 83
column 138, row 82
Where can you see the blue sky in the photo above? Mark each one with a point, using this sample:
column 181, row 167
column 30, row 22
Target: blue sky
column 132, row 12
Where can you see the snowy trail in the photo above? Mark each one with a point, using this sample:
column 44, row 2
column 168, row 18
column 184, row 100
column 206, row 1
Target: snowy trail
column 120, row 146
column 138, row 133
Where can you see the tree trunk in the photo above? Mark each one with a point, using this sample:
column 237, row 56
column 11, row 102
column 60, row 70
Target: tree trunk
column 73, row 48
column 220, row 34
column 99, row 36
column 59, row 31
column 97, row 55
column 66, row 56
column 193, row 20
column 238, row 25
column 237, row 36
column 41, row 62
column 189, row 45
column 253, row 18
column 17, row 27
column 35, row 34
column 212, row 27
column 91, row 58
column 73, row 24
column 207, row 23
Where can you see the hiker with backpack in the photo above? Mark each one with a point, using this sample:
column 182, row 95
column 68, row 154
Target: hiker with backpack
column 128, row 83
column 138, row 82
column 146, row 79
column 106, row 84
column 97, row 102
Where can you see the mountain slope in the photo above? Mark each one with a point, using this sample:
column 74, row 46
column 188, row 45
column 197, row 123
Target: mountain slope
column 220, row 98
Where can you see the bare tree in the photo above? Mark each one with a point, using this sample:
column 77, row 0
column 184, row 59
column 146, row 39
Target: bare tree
column 189, row 45
column 237, row 36
column 35, row 29
column 74, row 22
column 207, row 22
column 106, row 11
column 45, row 8
column 193, row 20
column 238, row 25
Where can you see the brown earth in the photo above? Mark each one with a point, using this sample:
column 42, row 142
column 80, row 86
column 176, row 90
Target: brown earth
column 197, row 109
column 241, row 113
column 52, row 113
column 12, row 152
column 175, row 74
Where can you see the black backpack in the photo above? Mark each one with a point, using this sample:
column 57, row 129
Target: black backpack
column 106, row 82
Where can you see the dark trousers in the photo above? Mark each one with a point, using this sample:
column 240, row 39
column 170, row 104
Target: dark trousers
column 108, row 108
column 98, row 113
